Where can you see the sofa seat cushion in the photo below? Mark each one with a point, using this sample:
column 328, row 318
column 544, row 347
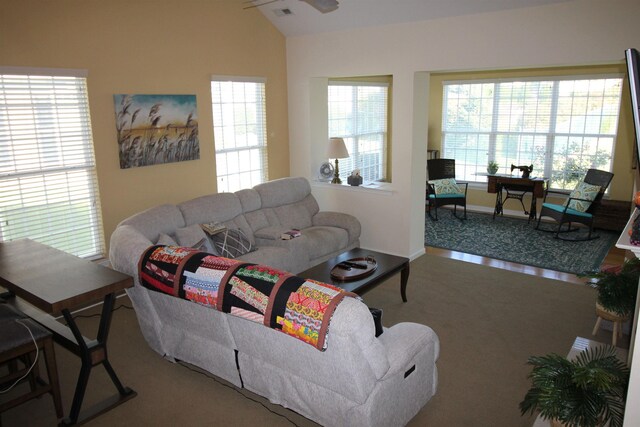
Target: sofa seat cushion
column 323, row 240
column 270, row 233
column 277, row 257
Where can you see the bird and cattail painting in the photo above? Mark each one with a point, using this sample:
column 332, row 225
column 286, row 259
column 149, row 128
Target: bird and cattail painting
column 156, row 129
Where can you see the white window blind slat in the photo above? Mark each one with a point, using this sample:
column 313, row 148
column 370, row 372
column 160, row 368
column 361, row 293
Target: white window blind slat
column 48, row 184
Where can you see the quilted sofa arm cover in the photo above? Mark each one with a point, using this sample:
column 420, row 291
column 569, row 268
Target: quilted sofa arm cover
column 340, row 220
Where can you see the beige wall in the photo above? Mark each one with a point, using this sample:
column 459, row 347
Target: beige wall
column 152, row 47
column 621, row 187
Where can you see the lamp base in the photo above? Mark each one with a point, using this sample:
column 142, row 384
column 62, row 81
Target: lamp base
column 336, row 175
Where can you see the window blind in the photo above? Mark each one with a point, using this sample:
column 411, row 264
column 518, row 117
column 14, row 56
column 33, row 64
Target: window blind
column 562, row 126
column 358, row 114
column 240, row 131
column 48, row 183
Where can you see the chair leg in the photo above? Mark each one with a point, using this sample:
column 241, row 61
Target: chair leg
column 52, row 372
column 597, row 326
column 464, row 212
column 28, row 360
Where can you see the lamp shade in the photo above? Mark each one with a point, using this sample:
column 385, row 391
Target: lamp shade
column 337, row 149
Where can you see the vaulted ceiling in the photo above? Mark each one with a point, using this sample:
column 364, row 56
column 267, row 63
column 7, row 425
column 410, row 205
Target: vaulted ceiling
column 298, row 17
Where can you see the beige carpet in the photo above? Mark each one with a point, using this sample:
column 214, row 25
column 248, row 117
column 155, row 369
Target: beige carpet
column 488, row 320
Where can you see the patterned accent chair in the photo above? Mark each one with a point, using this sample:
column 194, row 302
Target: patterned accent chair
column 443, row 190
column 580, row 206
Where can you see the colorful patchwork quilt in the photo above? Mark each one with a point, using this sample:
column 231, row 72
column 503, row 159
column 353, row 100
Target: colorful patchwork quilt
column 298, row 307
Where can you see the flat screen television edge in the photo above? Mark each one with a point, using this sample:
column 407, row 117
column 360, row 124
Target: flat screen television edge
column 633, row 72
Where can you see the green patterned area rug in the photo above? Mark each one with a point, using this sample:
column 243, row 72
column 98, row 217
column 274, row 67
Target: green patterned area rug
column 515, row 240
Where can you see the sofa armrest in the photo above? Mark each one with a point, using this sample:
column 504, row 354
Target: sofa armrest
column 125, row 248
column 341, row 220
column 403, row 341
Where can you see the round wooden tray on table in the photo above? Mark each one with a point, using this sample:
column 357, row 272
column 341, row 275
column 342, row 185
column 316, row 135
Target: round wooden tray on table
column 351, row 272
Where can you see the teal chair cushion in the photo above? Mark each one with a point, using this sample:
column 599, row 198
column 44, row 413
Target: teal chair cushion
column 560, row 208
column 446, row 196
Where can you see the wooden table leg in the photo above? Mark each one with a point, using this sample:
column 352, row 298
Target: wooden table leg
column 497, row 210
column 533, row 212
column 93, row 354
column 404, row 278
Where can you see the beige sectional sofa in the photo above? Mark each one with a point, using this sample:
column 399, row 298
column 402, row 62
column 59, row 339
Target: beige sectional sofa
column 359, row 380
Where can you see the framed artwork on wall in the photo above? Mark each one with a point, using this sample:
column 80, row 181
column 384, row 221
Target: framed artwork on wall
column 156, row 129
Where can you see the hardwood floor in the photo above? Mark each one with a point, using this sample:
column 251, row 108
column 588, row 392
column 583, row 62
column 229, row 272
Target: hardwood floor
column 614, row 257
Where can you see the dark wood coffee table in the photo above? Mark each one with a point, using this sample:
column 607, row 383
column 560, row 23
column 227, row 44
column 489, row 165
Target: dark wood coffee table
column 388, row 265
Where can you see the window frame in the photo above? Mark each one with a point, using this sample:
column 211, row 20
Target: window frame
column 226, row 152
column 353, row 139
column 45, row 120
column 550, row 135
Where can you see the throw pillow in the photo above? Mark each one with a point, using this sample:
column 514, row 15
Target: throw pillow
column 194, row 237
column 446, row 186
column 165, row 239
column 583, row 191
column 231, row 243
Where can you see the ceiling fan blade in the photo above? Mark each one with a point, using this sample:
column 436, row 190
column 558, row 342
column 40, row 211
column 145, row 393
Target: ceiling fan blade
column 258, row 5
column 324, row 6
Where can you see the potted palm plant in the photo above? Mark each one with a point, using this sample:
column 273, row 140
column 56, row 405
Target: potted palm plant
column 617, row 287
column 586, row 392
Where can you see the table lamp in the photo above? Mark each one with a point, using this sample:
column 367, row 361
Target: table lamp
column 337, row 150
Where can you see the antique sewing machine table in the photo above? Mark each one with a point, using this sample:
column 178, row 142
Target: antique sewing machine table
column 516, row 188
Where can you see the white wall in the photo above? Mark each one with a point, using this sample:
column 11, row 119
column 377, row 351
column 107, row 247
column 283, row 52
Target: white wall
column 580, row 32
column 573, row 33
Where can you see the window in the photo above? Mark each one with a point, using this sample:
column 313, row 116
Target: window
column 358, row 113
column 48, row 184
column 240, row 132
column 561, row 126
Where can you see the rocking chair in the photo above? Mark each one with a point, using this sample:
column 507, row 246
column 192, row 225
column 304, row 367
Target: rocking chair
column 573, row 210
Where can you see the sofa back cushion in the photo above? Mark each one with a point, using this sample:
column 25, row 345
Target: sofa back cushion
column 222, row 207
column 219, row 207
column 249, row 200
column 284, row 191
column 155, row 221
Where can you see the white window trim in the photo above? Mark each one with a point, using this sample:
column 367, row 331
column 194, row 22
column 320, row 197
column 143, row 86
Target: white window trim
column 32, row 71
